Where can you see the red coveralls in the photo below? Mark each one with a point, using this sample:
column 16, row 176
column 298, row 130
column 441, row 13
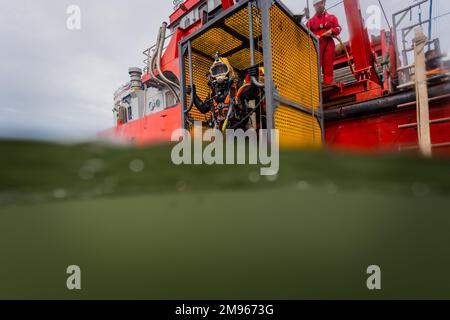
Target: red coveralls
column 319, row 24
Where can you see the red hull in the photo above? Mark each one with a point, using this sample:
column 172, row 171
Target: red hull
column 381, row 133
column 370, row 134
column 152, row 129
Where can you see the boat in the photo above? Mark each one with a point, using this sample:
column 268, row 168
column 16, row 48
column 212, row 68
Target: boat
column 371, row 108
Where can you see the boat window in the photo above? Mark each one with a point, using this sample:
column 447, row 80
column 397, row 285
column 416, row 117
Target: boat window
column 122, row 115
column 130, row 113
column 170, row 99
column 213, row 4
column 203, row 12
column 151, row 106
column 187, row 22
column 202, row 8
column 191, row 17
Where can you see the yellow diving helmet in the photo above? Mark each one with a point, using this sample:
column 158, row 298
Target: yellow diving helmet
column 221, row 71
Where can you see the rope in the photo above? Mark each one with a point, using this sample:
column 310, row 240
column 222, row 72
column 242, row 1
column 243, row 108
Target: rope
column 258, row 23
column 384, row 13
column 335, row 5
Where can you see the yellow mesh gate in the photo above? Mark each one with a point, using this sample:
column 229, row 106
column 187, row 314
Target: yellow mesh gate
column 239, row 22
column 297, row 129
column 291, row 60
column 215, row 40
column 296, row 77
column 200, row 67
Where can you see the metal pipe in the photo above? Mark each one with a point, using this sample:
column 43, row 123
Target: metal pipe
column 265, row 6
column 410, row 8
column 152, row 62
column 158, row 60
column 191, row 77
column 251, row 36
column 166, row 81
column 414, row 103
column 386, row 104
column 430, row 25
column 401, row 16
column 153, row 65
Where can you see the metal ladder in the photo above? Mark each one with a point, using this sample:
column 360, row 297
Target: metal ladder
column 422, row 101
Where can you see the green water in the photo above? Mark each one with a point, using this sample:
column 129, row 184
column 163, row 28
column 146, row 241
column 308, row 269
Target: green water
column 140, row 227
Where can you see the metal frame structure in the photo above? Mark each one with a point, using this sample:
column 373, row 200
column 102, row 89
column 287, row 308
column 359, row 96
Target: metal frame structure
column 273, row 98
column 398, row 18
column 406, row 69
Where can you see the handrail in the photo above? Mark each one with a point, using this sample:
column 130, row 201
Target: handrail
column 148, row 53
column 158, row 61
column 152, row 63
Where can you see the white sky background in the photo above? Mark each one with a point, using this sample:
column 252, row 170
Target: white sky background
column 58, row 84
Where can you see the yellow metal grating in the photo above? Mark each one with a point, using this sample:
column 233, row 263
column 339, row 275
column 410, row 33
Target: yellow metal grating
column 297, row 129
column 215, row 40
column 218, row 40
column 239, row 22
column 296, row 77
column 241, row 59
column 293, row 60
column 200, row 68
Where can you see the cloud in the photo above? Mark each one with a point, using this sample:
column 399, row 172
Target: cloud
column 59, row 84
column 54, row 81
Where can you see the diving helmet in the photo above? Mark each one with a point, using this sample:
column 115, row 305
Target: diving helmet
column 221, row 71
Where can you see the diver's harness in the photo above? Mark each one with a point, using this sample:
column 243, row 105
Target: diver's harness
column 229, row 100
column 230, row 105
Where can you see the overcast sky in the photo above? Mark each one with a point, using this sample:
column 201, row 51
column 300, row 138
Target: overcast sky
column 58, row 84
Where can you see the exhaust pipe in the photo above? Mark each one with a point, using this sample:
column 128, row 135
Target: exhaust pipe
column 136, row 78
column 155, row 63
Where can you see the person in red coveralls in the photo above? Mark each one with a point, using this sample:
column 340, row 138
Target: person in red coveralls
column 325, row 26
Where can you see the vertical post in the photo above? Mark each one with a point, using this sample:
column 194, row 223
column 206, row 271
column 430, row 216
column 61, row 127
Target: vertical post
column 384, row 52
column 181, row 54
column 404, row 51
column 359, row 40
column 191, row 77
column 430, row 24
column 252, row 103
column 319, row 83
column 395, row 57
column 265, row 6
column 191, row 73
column 423, row 115
column 250, row 34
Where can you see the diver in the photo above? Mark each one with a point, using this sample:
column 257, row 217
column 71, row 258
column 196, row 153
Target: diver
column 221, row 100
column 229, row 106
